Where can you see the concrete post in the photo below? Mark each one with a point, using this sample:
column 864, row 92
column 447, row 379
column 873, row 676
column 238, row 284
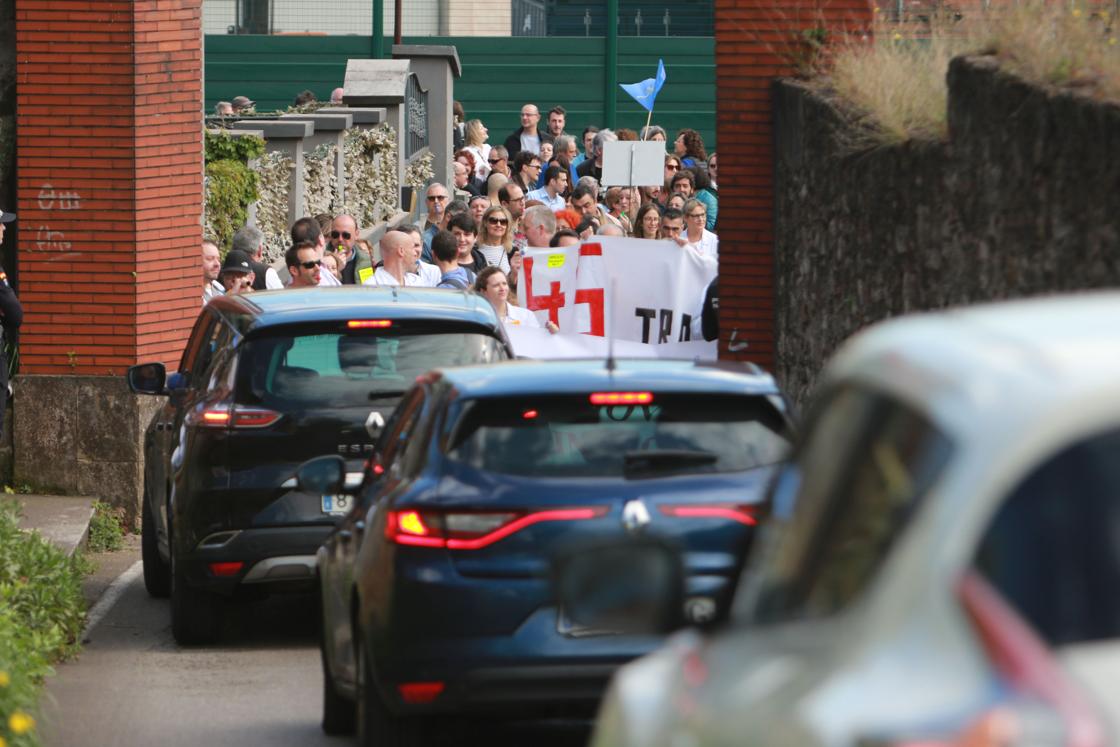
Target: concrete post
column 436, row 67
column 286, row 137
column 380, row 83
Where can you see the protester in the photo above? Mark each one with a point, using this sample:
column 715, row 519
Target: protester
column 512, row 198
column 11, row 317
column 528, row 136
column 564, row 237
column 237, row 273
column 699, row 238
column 458, row 125
column 303, row 263
column 478, row 206
column 684, row 182
column 690, row 147
column 493, row 285
column 648, row 222
column 675, row 202
column 499, row 161
column 464, row 229
column 557, row 119
column 653, row 133
column 308, row 229
column 494, row 237
column 514, row 275
column 223, row 109
column 540, row 224
column 337, row 95
column 330, row 263
column 555, row 183
column 243, row 105
column 445, row 252
column 304, row 98
column 476, row 135
column 436, row 198
column 593, row 166
column 250, row 239
column 705, row 194
column 429, row 274
column 712, row 173
column 211, row 268
column 672, row 224
column 397, row 258
column 617, row 201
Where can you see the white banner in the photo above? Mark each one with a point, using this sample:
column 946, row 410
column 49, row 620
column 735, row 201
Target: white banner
column 534, row 342
column 634, row 289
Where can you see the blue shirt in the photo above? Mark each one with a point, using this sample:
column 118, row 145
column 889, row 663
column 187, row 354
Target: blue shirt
column 426, row 252
column 461, row 274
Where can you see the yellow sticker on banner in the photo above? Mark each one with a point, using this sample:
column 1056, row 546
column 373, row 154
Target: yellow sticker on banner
column 365, row 274
column 556, row 260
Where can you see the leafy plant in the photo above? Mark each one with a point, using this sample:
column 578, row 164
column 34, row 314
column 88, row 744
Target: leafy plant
column 230, row 185
column 106, row 528
column 41, row 616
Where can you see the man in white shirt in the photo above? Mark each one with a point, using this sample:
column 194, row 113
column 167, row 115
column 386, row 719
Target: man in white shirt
column 429, row 274
column 211, row 266
column 555, row 182
column 398, row 256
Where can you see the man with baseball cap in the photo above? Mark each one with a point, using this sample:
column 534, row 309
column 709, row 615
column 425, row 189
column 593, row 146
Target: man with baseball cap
column 242, row 104
column 11, row 316
column 237, row 273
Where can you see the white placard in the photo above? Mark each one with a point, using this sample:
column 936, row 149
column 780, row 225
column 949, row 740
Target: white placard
column 632, row 163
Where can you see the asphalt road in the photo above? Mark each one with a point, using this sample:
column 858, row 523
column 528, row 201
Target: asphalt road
column 134, row 686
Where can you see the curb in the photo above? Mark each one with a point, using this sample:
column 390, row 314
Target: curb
column 62, row 520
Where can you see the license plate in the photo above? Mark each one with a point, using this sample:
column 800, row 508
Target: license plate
column 337, row 505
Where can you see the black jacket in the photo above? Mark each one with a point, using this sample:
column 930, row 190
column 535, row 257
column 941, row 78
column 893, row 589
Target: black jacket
column 513, row 142
column 12, row 311
column 709, row 317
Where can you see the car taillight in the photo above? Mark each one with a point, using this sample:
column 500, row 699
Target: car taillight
column 621, row 398
column 743, row 514
column 224, row 416
column 420, row 692
column 369, row 323
column 1026, row 663
column 463, row 530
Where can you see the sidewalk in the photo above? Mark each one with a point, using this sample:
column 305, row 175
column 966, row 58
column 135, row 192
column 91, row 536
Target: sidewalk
column 63, row 520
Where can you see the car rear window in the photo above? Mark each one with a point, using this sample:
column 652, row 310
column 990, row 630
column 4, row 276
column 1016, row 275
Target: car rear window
column 349, row 368
column 863, row 466
column 567, row 436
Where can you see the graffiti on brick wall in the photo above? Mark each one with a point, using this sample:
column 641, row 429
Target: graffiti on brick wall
column 47, row 239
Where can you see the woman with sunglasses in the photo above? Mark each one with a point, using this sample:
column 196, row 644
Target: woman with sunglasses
column 493, row 285
column 479, row 149
column 495, row 239
column 672, row 166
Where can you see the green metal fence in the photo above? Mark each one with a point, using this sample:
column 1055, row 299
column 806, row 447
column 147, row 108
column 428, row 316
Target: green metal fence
column 500, row 74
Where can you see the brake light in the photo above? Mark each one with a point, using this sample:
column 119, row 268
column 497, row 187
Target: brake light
column 1016, row 651
column 742, row 514
column 621, row 398
column 530, row 414
column 369, row 323
column 222, row 416
column 225, row 570
column 420, row 692
column 463, row 530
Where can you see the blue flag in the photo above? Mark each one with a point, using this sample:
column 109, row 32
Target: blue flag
column 646, row 91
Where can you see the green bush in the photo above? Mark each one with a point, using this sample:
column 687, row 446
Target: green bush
column 41, row 616
column 106, row 532
column 231, row 186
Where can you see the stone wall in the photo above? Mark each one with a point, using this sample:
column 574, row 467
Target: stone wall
column 1024, row 199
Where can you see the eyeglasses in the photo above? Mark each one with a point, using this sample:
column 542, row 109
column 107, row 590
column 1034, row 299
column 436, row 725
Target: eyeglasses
column 340, row 234
column 534, row 165
column 496, row 160
column 672, row 167
column 440, row 198
column 698, row 215
column 516, row 199
column 497, row 221
column 310, row 263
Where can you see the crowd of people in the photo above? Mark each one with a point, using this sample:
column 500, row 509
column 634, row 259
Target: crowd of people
column 536, row 189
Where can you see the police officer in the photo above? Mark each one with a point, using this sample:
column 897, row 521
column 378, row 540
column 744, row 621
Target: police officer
column 11, row 316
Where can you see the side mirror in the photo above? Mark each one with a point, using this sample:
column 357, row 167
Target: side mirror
column 633, row 586
column 147, row 378
column 325, row 475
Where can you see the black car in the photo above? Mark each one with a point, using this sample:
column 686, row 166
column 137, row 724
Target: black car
column 267, row 381
column 434, row 587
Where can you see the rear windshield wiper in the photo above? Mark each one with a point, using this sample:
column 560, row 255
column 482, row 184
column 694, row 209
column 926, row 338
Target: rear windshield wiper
column 665, row 460
column 385, row 395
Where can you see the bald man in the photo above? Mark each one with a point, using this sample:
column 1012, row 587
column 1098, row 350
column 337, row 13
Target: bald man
column 398, row 257
column 528, row 137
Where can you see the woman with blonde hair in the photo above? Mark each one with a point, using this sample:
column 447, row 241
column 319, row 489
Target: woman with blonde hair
column 495, row 238
column 476, row 135
column 493, row 285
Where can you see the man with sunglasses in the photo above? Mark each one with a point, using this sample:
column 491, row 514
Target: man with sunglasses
column 303, row 264
column 437, row 198
column 499, row 160
column 344, row 232
column 307, row 229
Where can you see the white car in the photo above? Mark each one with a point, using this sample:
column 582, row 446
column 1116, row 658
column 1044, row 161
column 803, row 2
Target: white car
column 943, row 562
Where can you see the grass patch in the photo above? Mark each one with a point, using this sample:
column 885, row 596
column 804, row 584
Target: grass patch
column 41, row 618
column 106, row 528
column 894, row 77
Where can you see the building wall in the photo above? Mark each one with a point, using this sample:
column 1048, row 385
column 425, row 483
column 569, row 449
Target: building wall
column 756, row 42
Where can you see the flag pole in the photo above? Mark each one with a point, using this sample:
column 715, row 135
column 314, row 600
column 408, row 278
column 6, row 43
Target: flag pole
column 649, row 118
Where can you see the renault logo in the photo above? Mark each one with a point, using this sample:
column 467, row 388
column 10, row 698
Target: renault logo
column 635, row 515
column 374, row 423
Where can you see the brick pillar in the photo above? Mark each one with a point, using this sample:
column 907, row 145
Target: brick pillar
column 110, row 187
column 757, row 41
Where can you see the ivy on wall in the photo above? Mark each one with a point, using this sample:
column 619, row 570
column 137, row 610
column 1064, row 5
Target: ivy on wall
column 319, row 183
column 230, row 186
column 274, row 171
column 420, row 171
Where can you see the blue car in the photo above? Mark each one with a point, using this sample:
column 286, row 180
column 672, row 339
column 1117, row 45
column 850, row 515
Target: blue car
column 435, row 591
